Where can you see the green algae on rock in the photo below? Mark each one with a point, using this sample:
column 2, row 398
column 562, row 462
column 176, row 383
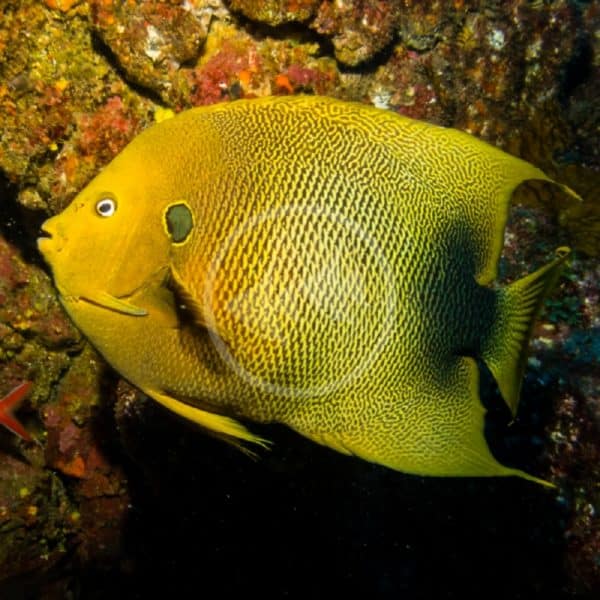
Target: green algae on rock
column 36, row 528
column 50, row 75
column 45, row 517
column 275, row 12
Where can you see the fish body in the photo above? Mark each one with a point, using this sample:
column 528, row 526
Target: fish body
column 308, row 261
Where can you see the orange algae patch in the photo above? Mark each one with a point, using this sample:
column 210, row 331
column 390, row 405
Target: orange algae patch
column 244, row 76
column 282, row 81
column 62, row 5
column 74, row 467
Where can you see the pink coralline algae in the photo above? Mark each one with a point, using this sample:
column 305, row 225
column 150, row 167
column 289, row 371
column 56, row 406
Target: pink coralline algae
column 105, row 132
column 221, row 77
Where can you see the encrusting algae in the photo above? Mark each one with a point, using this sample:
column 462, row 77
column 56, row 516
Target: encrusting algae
column 312, row 262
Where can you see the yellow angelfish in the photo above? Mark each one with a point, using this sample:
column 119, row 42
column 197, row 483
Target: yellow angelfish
column 312, row 262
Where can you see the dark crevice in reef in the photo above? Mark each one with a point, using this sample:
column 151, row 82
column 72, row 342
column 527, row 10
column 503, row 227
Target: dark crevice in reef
column 18, row 225
column 578, row 68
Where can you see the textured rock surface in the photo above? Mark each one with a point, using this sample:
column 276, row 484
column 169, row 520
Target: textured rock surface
column 358, row 29
column 275, row 12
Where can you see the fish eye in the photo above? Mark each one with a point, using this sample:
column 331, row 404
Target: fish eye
column 106, row 207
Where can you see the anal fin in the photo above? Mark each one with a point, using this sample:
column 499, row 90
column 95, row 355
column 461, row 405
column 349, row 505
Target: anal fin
column 442, row 435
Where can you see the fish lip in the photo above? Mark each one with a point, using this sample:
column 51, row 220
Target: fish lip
column 48, row 233
column 44, row 233
column 45, row 242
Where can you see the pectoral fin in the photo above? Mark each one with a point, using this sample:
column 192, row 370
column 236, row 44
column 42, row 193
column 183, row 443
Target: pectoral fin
column 116, row 304
column 194, row 307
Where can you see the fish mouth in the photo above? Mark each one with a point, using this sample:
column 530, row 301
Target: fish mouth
column 44, row 234
column 45, row 239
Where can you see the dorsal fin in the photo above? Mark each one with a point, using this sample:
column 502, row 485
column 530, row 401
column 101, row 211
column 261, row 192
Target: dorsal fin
column 518, row 172
column 482, row 197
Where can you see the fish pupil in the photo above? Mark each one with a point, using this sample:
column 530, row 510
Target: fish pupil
column 106, row 207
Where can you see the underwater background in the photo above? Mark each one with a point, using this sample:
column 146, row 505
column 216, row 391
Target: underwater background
column 120, row 498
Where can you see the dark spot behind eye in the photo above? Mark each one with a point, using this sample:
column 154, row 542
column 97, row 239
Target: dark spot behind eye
column 179, row 222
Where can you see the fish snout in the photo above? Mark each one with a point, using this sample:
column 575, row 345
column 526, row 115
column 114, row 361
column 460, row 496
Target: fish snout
column 50, row 236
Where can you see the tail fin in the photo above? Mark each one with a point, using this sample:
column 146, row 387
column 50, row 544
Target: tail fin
column 505, row 349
